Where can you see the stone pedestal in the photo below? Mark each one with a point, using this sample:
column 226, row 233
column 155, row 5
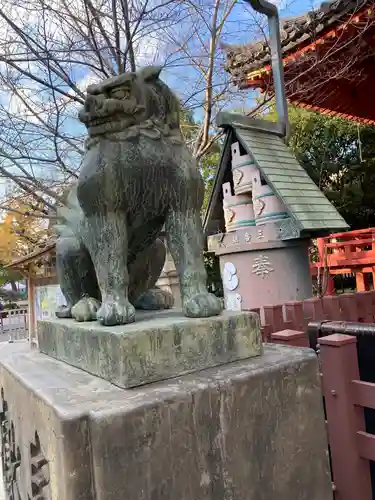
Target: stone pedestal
column 159, row 345
column 249, row 430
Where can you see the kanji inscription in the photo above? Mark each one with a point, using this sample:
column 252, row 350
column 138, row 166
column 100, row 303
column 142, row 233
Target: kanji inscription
column 235, row 239
column 262, row 266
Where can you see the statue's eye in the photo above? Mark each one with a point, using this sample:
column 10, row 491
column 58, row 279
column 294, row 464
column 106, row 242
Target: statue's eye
column 120, row 93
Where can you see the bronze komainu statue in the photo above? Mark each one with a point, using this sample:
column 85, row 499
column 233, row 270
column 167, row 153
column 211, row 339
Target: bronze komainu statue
column 137, row 177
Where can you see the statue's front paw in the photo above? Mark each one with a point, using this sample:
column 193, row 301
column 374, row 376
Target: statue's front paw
column 85, row 309
column 202, row 305
column 116, row 312
column 154, row 299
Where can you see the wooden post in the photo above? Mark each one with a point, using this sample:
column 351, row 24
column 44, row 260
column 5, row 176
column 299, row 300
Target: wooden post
column 273, row 316
column 364, row 307
column 351, row 473
column 320, row 246
column 31, row 309
column 313, row 308
column 331, row 307
column 290, row 337
column 360, row 282
column 348, row 305
column 330, row 286
column 294, row 315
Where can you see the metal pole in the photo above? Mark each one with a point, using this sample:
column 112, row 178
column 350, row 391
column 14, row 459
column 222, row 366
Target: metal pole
column 270, row 10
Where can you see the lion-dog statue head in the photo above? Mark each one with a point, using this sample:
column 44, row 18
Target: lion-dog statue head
column 131, row 104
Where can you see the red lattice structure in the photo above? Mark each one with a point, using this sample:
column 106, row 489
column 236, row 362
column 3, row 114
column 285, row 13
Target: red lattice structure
column 352, row 252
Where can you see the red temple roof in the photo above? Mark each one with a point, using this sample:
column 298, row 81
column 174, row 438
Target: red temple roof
column 328, row 57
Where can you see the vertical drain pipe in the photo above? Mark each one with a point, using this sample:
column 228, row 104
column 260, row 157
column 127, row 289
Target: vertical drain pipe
column 270, row 10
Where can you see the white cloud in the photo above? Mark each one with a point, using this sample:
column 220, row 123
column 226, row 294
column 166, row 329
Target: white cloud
column 150, row 50
column 87, row 80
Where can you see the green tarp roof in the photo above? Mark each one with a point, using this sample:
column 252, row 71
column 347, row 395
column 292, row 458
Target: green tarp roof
column 303, row 199
column 307, row 205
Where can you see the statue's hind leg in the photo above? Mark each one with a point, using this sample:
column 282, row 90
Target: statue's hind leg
column 143, row 275
column 76, row 276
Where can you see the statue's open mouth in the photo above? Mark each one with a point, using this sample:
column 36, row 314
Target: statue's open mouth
column 113, row 124
column 112, row 110
column 99, row 121
column 104, row 119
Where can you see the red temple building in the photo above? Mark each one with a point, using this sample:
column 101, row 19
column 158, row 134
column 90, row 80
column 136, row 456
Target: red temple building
column 329, row 67
column 328, row 57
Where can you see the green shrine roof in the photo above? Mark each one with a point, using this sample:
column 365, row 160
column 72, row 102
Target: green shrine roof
column 306, row 204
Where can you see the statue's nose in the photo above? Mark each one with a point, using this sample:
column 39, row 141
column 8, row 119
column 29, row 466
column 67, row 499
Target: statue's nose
column 93, row 103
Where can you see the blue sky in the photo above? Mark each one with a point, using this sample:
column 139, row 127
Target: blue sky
column 236, row 34
column 237, row 31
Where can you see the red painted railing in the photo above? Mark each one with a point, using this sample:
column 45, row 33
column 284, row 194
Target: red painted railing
column 295, row 316
column 346, row 396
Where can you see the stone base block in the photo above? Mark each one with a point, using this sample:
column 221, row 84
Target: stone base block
column 250, row 430
column 158, row 346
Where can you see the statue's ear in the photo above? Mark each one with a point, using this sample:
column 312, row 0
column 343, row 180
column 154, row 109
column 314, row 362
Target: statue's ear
column 150, row 73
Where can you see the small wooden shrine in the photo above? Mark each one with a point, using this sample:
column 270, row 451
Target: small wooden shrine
column 328, row 59
column 39, row 267
column 263, row 211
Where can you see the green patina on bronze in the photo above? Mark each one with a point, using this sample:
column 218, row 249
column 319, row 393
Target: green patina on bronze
column 137, row 177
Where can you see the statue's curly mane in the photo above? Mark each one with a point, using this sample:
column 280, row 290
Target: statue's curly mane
column 163, row 104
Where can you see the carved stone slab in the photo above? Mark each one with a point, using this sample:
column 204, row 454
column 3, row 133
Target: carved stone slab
column 251, row 430
column 156, row 347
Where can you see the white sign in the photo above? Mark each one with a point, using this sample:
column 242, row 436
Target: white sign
column 47, row 299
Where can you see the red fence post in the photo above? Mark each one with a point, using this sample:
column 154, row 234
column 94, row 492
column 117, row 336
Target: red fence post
column 351, row 474
column 331, row 307
column 372, row 304
column 313, row 308
column 348, row 304
column 294, row 315
column 330, row 286
column 273, row 316
column 290, row 337
column 364, row 307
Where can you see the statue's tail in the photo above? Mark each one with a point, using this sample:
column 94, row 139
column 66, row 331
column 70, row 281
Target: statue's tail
column 69, row 215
